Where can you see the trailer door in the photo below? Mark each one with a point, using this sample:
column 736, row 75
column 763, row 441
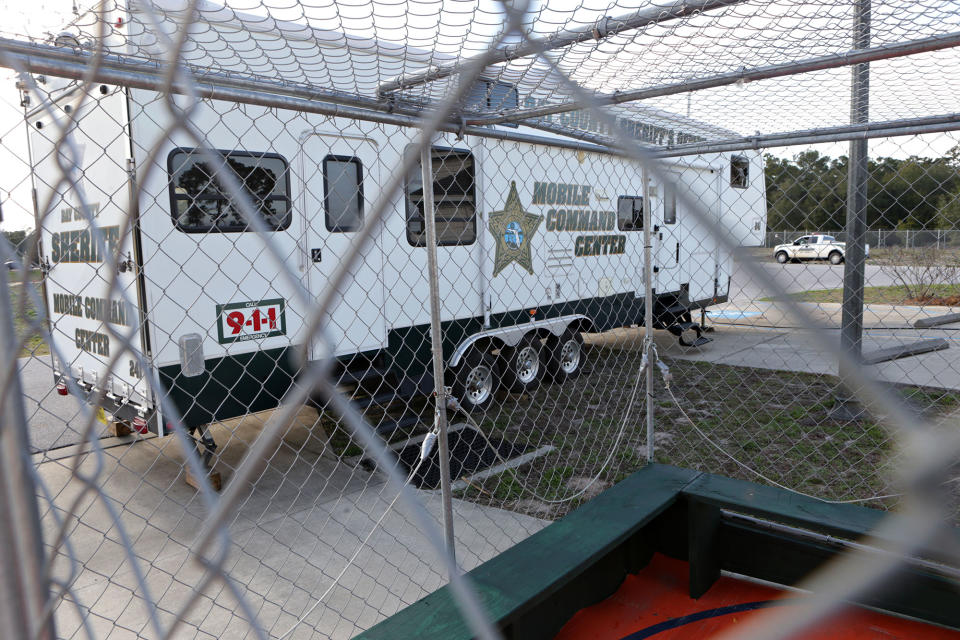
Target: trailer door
column 699, row 245
column 340, row 178
column 667, row 238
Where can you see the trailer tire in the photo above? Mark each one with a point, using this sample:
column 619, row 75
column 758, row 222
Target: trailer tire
column 565, row 356
column 475, row 380
column 522, row 366
column 835, row 257
column 782, row 257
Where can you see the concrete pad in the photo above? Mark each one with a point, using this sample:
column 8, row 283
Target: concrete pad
column 294, row 531
column 755, row 313
column 798, row 350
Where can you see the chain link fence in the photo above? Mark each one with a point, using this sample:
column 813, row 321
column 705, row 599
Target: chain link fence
column 326, row 304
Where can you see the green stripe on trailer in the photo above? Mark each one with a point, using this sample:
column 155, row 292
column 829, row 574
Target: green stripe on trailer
column 230, row 386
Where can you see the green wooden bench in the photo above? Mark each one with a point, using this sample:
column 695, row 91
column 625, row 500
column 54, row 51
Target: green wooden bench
column 533, row 588
column 786, row 555
column 531, row 574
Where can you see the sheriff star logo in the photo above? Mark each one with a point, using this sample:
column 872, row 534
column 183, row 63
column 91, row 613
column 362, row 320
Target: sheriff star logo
column 512, row 229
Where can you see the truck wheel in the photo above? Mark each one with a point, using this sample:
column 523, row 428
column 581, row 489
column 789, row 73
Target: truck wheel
column 475, row 380
column 836, row 257
column 522, row 365
column 565, row 356
column 782, row 257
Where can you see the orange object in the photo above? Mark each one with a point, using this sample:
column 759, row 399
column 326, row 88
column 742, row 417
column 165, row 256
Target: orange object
column 655, row 604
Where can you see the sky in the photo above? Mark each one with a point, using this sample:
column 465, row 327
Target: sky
column 18, row 17
column 665, row 53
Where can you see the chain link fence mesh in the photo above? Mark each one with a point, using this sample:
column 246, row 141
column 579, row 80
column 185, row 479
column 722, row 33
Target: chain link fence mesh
column 260, row 229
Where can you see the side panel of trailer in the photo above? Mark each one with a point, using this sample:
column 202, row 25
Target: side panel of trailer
column 522, row 228
column 207, row 276
column 91, row 324
column 564, row 228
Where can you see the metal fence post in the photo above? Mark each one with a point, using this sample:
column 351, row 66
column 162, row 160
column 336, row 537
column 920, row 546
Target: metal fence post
column 23, row 589
column 648, row 307
column 851, row 327
column 429, row 216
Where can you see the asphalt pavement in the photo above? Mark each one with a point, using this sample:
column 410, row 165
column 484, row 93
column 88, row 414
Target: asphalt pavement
column 745, row 286
column 54, row 420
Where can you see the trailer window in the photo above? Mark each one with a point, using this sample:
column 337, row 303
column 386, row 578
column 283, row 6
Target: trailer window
column 200, row 203
column 454, row 199
column 343, row 193
column 630, row 213
column 669, row 203
column 739, row 172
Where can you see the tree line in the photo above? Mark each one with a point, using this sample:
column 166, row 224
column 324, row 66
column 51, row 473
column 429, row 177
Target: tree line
column 810, row 192
column 21, row 241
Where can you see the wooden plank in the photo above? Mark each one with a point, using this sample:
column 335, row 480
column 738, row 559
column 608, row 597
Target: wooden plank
column 703, row 554
column 534, row 570
column 119, row 429
column 779, row 505
column 843, row 520
column 213, row 477
column 786, row 559
column 905, row 350
column 936, row 321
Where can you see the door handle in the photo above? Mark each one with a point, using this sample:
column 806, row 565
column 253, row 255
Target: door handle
column 315, row 255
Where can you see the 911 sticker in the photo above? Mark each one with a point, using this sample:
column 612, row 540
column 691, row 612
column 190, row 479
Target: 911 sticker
column 254, row 320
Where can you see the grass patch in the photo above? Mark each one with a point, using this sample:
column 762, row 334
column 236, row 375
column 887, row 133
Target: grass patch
column 34, row 275
column 777, row 423
column 35, row 346
column 893, row 294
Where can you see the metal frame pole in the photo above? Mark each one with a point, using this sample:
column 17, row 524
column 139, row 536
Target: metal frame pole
column 844, row 59
column 436, row 338
column 23, row 591
column 648, row 307
column 851, row 324
column 142, row 76
column 884, row 129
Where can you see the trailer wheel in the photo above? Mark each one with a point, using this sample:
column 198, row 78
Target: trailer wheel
column 475, row 380
column 565, row 356
column 522, row 365
column 836, row 257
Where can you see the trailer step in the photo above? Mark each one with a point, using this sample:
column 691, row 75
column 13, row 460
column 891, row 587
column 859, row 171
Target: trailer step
column 678, row 328
column 390, row 426
column 682, row 327
column 702, row 340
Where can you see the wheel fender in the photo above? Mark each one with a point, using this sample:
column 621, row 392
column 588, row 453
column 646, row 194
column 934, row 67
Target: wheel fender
column 510, row 336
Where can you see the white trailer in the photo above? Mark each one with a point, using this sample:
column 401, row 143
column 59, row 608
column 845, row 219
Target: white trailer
column 540, row 240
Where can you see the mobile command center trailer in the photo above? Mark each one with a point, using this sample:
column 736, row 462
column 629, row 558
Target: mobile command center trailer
column 539, row 241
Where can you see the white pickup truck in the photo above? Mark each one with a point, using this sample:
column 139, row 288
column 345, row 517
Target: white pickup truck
column 818, row 247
